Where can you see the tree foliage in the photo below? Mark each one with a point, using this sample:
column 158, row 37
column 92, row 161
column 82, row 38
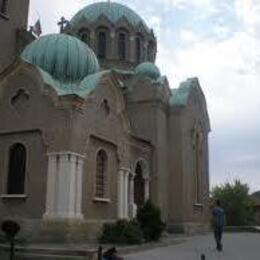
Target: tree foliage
column 236, row 201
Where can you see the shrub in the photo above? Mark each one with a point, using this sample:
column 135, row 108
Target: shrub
column 149, row 217
column 121, row 232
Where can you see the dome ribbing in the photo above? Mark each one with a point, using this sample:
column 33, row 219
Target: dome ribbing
column 64, row 57
column 112, row 11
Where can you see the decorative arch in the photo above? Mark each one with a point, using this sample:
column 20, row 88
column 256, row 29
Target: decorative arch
column 16, row 169
column 145, row 167
column 120, row 103
column 101, row 173
column 141, row 182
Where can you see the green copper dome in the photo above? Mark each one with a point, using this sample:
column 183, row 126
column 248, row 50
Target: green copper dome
column 64, row 57
column 112, row 11
column 148, row 69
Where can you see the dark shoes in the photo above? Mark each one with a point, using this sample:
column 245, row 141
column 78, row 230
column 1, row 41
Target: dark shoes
column 219, row 247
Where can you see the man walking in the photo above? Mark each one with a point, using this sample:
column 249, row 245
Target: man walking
column 218, row 224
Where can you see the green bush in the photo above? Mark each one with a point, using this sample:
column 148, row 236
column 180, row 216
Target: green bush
column 149, row 217
column 121, row 232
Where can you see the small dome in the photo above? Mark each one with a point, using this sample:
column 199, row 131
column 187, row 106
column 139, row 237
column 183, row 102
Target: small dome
column 148, row 69
column 64, row 57
column 112, row 11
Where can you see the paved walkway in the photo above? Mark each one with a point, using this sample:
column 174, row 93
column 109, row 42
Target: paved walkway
column 237, row 246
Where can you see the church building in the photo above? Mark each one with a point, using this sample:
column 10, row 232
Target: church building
column 90, row 129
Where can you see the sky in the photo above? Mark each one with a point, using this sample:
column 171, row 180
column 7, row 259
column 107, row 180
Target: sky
column 218, row 42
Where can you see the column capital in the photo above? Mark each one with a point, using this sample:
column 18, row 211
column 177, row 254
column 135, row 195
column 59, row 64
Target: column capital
column 64, row 153
column 125, row 170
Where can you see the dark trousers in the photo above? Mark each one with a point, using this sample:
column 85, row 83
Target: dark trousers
column 218, row 231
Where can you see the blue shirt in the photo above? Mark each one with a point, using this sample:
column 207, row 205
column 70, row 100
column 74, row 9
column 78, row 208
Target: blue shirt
column 218, row 216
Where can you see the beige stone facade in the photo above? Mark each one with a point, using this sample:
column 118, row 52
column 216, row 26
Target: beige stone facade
column 95, row 159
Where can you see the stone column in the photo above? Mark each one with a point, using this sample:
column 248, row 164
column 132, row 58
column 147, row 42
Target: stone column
column 132, row 48
column 113, row 50
column 123, row 199
column 126, row 186
column 145, row 48
column 146, row 189
column 64, row 186
column 120, row 194
column 51, row 185
column 131, row 197
column 92, row 40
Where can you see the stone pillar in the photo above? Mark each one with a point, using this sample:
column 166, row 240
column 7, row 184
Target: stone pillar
column 146, row 189
column 123, row 199
column 145, row 48
column 132, row 48
column 64, row 186
column 93, row 41
column 126, row 191
column 120, row 194
column 132, row 205
column 113, row 50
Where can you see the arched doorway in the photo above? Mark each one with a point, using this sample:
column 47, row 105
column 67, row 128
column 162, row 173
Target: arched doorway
column 139, row 186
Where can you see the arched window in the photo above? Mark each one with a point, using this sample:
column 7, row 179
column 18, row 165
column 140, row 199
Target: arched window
column 122, row 46
column 101, row 174
column 16, row 173
column 138, row 50
column 139, row 186
column 84, row 35
column 102, row 44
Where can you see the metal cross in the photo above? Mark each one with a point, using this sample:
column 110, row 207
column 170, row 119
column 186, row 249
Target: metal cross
column 62, row 23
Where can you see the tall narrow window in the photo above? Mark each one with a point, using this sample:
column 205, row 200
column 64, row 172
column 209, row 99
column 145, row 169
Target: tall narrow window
column 122, row 46
column 138, row 49
column 101, row 174
column 3, row 6
column 17, row 165
column 102, row 44
column 150, row 51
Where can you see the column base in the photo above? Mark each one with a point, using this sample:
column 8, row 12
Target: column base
column 132, row 210
column 63, row 230
column 62, row 216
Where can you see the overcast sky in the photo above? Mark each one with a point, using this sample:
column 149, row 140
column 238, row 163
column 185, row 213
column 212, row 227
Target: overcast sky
column 217, row 41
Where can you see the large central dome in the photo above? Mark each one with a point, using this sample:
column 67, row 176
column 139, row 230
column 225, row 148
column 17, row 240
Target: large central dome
column 113, row 11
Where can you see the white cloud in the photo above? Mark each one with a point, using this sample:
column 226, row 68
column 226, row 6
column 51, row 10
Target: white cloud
column 249, row 13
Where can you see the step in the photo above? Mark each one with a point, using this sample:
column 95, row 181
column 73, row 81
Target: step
column 50, row 252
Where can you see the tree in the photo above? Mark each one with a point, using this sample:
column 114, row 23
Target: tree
column 236, row 201
column 149, row 217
